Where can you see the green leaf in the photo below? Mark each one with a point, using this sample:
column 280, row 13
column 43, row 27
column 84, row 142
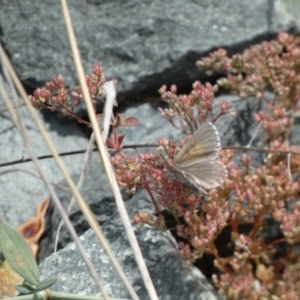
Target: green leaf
column 18, row 253
column 23, row 290
column 45, row 284
column 28, row 286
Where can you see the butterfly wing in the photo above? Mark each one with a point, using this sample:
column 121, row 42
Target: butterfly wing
column 179, row 175
column 202, row 146
column 197, row 161
column 205, row 174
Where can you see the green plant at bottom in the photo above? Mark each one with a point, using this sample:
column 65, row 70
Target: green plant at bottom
column 18, row 254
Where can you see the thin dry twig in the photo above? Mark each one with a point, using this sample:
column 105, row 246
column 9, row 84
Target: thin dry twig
column 85, row 209
column 86, row 166
column 289, row 166
column 25, row 160
column 109, row 88
column 255, row 133
column 2, row 110
column 11, row 170
column 136, row 146
column 108, row 168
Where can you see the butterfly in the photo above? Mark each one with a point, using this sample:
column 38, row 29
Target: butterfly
column 197, row 164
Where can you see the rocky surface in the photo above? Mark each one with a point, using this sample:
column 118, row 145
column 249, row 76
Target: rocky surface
column 173, row 279
column 20, row 192
column 143, row 44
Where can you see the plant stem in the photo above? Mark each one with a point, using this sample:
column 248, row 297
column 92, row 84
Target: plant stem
column 48, row 294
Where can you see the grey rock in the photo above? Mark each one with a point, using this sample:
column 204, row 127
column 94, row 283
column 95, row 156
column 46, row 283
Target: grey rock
column 98, row 196
column 152, row 126
column 173, row 279
column 143, row 44
column 237, row 128
column 21, row 193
